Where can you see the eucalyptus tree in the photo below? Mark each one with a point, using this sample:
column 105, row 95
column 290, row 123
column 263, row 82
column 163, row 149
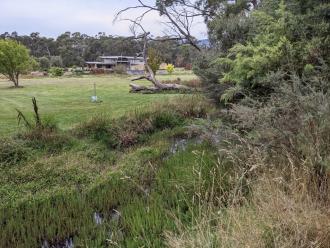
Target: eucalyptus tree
column 14, row 60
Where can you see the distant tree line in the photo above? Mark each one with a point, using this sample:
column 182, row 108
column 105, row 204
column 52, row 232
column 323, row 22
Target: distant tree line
column 73, row 49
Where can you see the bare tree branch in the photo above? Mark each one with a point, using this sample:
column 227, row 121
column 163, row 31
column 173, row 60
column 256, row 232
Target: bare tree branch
column 180, row 17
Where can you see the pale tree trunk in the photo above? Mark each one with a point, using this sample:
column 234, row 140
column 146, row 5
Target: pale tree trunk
column 14, row 78
column 157, row 86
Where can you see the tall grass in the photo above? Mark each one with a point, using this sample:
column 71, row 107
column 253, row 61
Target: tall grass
column 135, row 126
column 276, row 215
column 278, row 153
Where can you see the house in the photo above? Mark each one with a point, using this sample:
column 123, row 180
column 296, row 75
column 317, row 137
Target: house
column 109, row 62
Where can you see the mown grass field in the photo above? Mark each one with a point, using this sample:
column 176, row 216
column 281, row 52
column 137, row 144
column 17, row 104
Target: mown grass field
column 67, row 99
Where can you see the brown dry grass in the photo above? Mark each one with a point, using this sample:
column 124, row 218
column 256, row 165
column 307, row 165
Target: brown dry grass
column 277, row 215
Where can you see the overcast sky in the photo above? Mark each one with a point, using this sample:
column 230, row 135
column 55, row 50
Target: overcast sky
column 53, row 17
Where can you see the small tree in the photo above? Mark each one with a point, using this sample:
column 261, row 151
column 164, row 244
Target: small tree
column 170, row 68
column 14, row 60
column 154, row 59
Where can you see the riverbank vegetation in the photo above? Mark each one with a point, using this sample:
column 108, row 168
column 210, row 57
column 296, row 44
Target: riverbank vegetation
column 245, row 163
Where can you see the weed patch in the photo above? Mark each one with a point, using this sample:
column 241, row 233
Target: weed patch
column 135, row 127
column 46, row 139
column 13, row 152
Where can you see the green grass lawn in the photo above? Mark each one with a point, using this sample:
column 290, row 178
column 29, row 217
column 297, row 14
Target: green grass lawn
column 67, row 100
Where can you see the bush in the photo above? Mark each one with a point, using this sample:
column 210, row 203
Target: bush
column 188, row 67
column 127, row 137
column 97, row 71
column 290, row 128
column 276, row 153
column 170, row 68
column 56, row 71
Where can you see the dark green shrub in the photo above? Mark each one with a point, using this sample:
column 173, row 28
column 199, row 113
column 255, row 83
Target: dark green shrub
column 139, row 120
column 56, row 71
column 12, row 151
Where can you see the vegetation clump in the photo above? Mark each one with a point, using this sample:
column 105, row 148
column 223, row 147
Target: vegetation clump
column 170, row 68
column 56, row 71
column 154, row 59
column 41, row 133
column 133, row 128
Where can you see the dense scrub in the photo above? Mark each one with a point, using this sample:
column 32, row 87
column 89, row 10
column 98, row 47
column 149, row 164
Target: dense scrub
column 271, row 70
column 278, row 153
column 280, row 38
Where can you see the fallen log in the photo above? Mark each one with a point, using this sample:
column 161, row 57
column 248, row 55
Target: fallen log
column 135, row 88
column 150, row 76
column 138, row 88
column 157, row 86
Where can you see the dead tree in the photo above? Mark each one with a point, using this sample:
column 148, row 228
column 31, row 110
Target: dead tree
column 150, row 76
column 179, row 17
column 179, row 21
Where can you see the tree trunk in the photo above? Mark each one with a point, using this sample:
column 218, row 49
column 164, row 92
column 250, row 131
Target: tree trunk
column 16, row 80
column 158, row 86
column 13, row 77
